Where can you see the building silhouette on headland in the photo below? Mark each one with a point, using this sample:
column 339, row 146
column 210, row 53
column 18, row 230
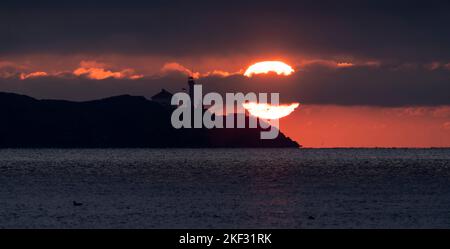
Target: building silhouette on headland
column 164, row 97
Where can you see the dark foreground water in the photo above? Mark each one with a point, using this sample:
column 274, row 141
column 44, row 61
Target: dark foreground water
column 224, row 188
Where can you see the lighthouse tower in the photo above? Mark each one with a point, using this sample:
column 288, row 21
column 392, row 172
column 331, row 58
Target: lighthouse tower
column 191, row 84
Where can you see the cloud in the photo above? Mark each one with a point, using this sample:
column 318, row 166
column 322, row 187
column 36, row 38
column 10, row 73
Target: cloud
column 413, row 31
column 433, row 65
column 356, row 85
column 337, row 64
column 312, row 84
column 10, row 69
column 4, row 64
column 399, row 58
column 90, row 69
column 96, row 71
column 176, row 67
column 24, row 76
column 221, row 73
column 345, row 64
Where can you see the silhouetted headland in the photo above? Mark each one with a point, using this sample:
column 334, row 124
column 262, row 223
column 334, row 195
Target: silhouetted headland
column 116, row 122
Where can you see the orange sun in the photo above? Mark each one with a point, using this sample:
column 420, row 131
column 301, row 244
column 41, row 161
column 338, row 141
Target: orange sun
column 265, row 67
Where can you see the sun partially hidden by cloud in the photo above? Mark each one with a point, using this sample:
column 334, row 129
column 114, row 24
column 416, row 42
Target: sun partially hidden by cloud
column 267, row 111
column 265, row 67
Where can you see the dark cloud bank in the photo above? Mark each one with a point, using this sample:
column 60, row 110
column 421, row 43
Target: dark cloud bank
column 375, row 86
column 391, row 30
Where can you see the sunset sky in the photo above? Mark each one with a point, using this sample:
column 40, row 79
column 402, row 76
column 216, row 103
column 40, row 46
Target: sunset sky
column 367, row 73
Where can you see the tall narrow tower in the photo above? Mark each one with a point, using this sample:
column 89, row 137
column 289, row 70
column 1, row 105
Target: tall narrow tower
column 191, row 84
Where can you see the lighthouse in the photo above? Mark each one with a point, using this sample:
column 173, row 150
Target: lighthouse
column 196, row 96
column 191, row 84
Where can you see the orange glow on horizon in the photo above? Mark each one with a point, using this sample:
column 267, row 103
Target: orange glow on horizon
column 327, row 126
column 265, row 67
column 267, row 111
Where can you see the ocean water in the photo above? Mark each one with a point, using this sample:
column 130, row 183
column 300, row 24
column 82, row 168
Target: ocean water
column 225, row 188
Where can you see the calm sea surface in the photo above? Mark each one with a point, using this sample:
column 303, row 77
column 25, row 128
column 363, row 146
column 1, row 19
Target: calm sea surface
column 225, row 188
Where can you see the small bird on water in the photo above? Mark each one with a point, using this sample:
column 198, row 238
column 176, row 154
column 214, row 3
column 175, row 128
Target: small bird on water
column 76, row 204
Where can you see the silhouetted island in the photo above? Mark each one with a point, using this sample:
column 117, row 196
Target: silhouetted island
column 116, row 122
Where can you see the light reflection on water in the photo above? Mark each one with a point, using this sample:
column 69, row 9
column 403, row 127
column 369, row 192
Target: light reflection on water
column 225, row 188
